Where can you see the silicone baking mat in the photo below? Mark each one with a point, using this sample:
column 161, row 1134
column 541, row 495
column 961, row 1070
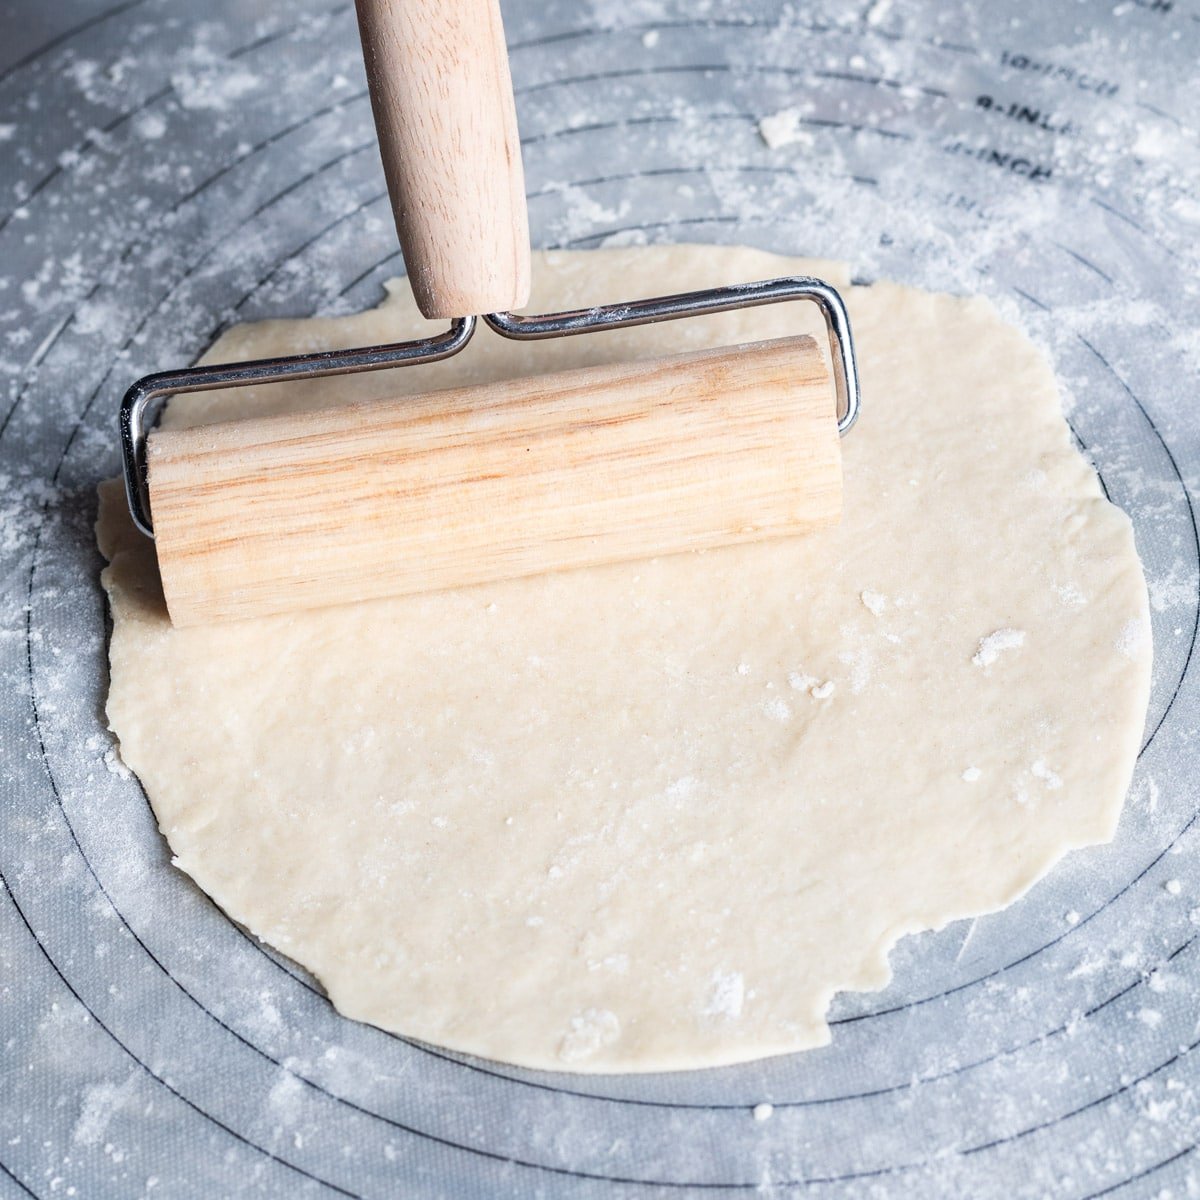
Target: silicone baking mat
column 170, row 166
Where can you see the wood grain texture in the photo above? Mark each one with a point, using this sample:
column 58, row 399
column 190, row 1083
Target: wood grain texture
column 477, row 484
column 442, row 97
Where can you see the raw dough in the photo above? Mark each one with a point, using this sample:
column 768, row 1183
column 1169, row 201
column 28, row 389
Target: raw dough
column 653, row 816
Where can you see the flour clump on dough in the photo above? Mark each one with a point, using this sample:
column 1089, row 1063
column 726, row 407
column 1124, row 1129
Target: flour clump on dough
column 992, row 646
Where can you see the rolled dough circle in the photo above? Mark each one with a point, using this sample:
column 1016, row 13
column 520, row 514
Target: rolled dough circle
column 652, row 816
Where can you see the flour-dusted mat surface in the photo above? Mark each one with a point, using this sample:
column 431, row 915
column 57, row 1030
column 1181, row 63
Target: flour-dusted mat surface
column 652, row 816
column 176, row 166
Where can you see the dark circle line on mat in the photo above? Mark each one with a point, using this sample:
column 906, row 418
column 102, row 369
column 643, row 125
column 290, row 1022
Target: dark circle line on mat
column 1187, row 496
column 1158, row 1166
column 277, row 35
column 19, row 1182
column 609, row 76
column 67, row 34
column 81, row 148
column 580, row 33
column 735, row 23
column 1116, row 212
column 845, row 1019
column 1084, row 262
column 1158, row 112
column 537, row 139
column 667, row 172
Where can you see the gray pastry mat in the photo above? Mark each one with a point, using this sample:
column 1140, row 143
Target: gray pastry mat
column 170, row 166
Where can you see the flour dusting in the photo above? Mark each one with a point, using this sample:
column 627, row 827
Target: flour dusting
column 995, row 644
column 589, row 1031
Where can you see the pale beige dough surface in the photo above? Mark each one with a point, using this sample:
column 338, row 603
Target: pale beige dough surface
column 653, row 816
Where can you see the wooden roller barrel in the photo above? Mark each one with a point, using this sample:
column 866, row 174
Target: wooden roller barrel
column 474, row 485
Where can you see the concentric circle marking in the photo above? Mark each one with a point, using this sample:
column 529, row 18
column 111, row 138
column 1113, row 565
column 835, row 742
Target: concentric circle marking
column 36, row 658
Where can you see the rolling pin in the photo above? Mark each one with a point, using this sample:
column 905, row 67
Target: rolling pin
column 472, row 485
column 478, row 484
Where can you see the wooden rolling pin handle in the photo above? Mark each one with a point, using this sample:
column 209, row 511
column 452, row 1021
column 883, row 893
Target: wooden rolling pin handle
column 443, row 103
column 481, row 484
